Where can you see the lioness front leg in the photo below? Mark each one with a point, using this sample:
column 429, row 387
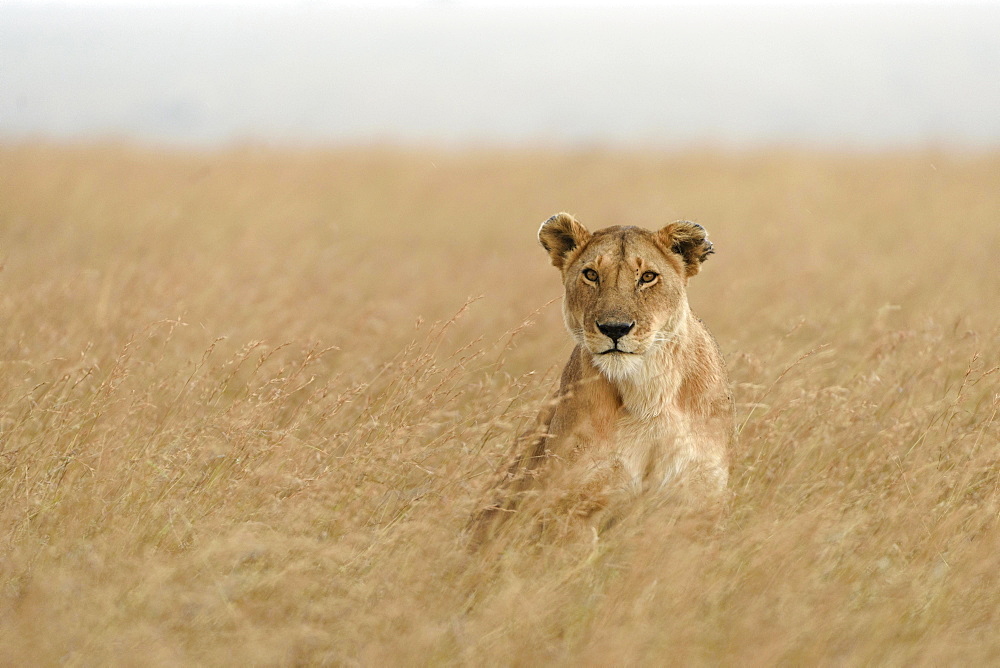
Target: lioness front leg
column 595, row 491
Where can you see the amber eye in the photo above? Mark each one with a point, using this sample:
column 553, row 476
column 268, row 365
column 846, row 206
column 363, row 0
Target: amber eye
column 648, row 277
column 590, row 274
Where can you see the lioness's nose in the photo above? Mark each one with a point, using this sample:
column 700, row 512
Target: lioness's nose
column 615, row 330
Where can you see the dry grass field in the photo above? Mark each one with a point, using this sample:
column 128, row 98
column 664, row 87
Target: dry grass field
column 249, row 398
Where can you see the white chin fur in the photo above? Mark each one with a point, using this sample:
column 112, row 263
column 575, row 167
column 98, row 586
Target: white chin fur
column 618, row 366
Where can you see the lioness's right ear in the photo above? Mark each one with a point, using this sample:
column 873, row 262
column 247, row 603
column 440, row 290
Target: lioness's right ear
column 559, row 235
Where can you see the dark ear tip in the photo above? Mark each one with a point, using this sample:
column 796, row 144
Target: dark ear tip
column 559, row 235
column 543, row 230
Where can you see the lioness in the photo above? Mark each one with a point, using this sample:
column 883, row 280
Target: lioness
column 644, row 403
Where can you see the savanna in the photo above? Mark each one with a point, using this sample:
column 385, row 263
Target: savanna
column 250, row 397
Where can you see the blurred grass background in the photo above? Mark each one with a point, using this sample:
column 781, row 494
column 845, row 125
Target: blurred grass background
column 248, row 398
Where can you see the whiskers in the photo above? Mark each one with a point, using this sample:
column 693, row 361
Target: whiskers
column 665, row 337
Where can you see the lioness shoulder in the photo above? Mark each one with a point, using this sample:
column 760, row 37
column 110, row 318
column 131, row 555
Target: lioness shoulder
column 643, row 404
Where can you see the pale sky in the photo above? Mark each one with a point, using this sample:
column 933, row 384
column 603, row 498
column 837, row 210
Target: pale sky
column 730, row 72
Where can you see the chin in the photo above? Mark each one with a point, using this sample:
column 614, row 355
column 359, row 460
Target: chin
column 618, row 366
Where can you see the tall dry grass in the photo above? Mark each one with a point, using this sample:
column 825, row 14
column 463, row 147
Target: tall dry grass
column 249, row 398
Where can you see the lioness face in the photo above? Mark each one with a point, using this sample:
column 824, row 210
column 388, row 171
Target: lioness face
column 625, row 286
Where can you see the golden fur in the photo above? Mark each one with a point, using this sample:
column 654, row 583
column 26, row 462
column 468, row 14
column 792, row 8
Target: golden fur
column 643, row 405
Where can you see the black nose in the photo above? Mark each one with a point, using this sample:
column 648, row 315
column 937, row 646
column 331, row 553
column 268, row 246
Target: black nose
column 615, row 330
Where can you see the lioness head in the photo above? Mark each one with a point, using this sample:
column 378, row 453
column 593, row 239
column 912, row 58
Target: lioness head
column 625, row 286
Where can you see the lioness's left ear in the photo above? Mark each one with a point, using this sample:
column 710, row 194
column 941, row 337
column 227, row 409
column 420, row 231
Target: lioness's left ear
column 559, row 235
column 690, row 241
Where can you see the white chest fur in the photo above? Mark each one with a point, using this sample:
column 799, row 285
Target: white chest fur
column 654, row 451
